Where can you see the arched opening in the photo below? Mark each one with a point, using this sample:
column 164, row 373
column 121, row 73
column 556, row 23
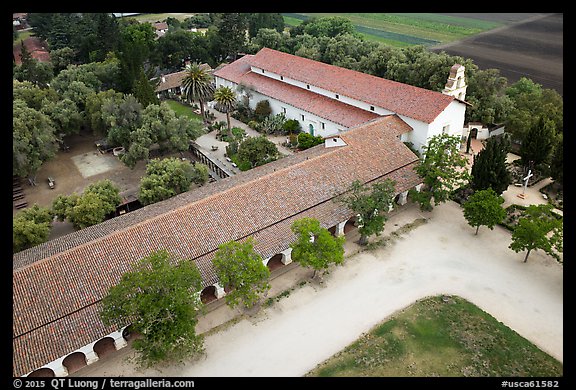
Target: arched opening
column 129, row 334
column 332, row 230
column 275, row 262
column 473, row 133
column 43, row 372
column 350, row 225
column 74, row 362
column 104, row 347
column 311, row 128
column 208, row 294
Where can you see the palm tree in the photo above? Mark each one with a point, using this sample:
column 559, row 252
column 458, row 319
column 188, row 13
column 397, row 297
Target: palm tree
column 197, row 85
column 225, row 99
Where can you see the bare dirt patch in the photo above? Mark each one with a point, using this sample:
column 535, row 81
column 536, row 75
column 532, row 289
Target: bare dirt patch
column 77, row 168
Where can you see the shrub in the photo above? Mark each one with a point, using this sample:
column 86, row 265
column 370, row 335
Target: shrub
column 262, row 110
column 306, row 141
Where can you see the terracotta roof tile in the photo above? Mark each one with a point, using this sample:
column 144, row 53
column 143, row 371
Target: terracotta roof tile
column 57, row 288
column 403, row 99
column 322, row 106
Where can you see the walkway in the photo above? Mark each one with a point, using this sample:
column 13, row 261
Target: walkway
column 208, row 140
column 316, row 321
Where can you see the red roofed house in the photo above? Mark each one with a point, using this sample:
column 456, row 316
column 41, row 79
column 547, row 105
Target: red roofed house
column 170, row 85
column 35, row 46
column 328, row 100
column 58, row 285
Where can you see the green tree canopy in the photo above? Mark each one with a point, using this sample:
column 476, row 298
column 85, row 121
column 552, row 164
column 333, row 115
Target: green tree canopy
column 484, row 208
column 538, row 229
column 531, row 103
column 31, row 227
column 442, row 169
column 241, row 270
column 98, row 200
column 165, row 178
column 259, row 21
column 370, row 203
column 314, row 246
column 225, row 100
column 306, row 141
column 486, row 93
column 257, row 151
column 159, row 126
column 538, row 143
column 159, row 298
column 557, row 161
column 33, row 139
column 32, row 95
column 197, row 85
column 489, row 169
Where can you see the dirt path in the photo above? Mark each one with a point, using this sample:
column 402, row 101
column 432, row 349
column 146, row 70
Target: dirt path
column 315, row 321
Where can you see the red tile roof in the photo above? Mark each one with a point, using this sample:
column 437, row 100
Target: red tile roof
column 403, row 99
column 35, row 47
column 173, row 80
column 322, row 106
column 58, row 285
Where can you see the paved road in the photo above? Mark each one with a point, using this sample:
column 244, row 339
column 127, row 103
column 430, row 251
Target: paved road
column 441, row 256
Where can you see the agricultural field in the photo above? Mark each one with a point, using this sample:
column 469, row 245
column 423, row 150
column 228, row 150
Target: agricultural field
column 406, row 29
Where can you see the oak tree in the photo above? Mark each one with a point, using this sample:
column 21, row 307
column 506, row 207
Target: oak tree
column 315, row 247
column 159, row 299
column 242, row 272
column 484, row 208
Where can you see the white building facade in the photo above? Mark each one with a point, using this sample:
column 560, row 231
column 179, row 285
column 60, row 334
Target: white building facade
column 328, row 100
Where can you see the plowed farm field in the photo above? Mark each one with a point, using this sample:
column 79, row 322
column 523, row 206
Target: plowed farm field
column 531, row 47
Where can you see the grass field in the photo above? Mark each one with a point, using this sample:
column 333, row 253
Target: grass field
column 183, row 110
column 406, row 29
column 440, row 336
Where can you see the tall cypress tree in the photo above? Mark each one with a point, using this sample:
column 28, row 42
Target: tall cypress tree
column 489, row 168
column 538, row 143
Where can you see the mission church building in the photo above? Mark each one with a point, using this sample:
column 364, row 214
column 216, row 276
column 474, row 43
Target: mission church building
column 58, row 286
column 328, row 99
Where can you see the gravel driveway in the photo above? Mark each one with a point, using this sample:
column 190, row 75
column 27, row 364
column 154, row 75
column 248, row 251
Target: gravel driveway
column 441, row 256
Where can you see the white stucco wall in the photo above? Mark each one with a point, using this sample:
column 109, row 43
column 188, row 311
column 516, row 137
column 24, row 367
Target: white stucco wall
column 452, row 116
column 322, row 126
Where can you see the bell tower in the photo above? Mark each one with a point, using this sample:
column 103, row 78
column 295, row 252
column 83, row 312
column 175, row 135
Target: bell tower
column 456, row 84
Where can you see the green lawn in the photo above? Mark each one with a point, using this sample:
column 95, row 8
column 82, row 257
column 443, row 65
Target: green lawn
column 405, row 29
column 433, row 337
column 183, row 110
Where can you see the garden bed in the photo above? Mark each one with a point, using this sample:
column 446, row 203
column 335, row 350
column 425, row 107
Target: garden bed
column 555, row 194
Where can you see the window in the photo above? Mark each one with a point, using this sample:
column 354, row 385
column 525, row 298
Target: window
column 284, row 110
column 322, row 125
column 281, row 77
column 307, row 86
column 337, row 96
column 301, row 116
column 262, row 70
column 371, row 108
column 446, row 129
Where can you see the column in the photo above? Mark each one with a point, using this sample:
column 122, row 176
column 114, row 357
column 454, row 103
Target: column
column 340, row 228
column 403, row 198
column 88, row 351
column 418, row 187
column 119, row 340
column 219, row 291
column 91, row 357
column 286, row 256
